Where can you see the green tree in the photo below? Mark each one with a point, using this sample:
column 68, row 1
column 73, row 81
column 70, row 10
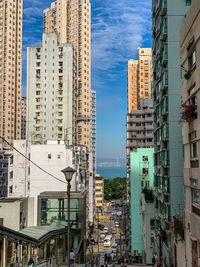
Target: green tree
column 115, row 188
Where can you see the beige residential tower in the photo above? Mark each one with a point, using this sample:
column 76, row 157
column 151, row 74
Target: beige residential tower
column 10, row 69
column 70, row 19
column 139, row 78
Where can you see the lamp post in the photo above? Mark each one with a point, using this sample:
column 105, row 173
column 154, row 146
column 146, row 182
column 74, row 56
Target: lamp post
column 68, row 172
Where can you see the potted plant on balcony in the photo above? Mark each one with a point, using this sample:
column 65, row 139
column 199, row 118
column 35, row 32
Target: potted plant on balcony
column 189, row 113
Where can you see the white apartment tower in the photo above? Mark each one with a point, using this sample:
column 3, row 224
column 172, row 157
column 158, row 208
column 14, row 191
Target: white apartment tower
column 70, row 19
column 50, row 91
column 10, row 69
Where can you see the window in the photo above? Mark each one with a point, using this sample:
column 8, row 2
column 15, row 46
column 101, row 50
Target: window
column 196, row 197
column 188, row 2
column 192, row 60
column 145, row 158
column 145, row 171
column 194, row 150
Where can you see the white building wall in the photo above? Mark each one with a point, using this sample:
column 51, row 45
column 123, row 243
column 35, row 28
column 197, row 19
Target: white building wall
column 20, row 171
column 52, row 158
column 49, row 90
column 12, row 209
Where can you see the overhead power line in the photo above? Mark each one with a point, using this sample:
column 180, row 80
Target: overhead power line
column 35, row 164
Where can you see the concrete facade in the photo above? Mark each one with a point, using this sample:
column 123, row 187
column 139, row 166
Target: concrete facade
column 139, row 126
column 71, row 20
column 132, row 85
column 168, row 16
column 6, row 169
column 16, row 213
column 50, row 91
column 29, row 180
column 190, row 62
column 93, row 128
column 10, row 69
column 99, row 190
column 148, row 222
column 23, row 118
column 139, row 78
column 141, row 180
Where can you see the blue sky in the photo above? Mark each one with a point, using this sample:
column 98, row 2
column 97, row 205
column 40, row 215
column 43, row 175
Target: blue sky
column 119, row 27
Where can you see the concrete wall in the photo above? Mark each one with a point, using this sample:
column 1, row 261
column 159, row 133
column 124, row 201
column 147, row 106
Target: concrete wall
column 10, row 210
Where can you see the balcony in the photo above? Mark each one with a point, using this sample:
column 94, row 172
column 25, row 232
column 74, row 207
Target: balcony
column 157, row 7
column 164, row 30
column 164, row 55
column 165, row 81
column 163, row 8
column 194, row 163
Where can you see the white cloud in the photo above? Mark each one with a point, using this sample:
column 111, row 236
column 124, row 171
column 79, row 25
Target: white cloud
column 118, row 28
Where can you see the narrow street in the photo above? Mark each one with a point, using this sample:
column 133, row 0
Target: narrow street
column 110, row 243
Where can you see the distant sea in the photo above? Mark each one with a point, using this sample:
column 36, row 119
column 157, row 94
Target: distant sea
column 112, row 172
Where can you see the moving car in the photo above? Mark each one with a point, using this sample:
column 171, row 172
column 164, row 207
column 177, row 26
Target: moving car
column 109, row 237
column 107, row 243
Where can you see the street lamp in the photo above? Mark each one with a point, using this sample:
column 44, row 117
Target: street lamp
column 68, row 172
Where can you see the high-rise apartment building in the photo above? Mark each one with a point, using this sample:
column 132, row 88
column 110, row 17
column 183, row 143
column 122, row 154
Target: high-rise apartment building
column 10, row 69
column 93, row 128
column 132, row 85
column 70, row 19
column 144, row 72
column 190, row 51
column 23, row 118
column 167, row 18
column 139, row 126
column 139, row 78
column 50, row 91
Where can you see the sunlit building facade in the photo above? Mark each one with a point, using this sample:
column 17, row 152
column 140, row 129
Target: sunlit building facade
column 139, row 78
column 70, row 19
column 10, row 69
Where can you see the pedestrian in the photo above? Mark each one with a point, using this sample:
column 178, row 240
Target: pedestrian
column 31, row 263
column 155, row 259
column 72, row 256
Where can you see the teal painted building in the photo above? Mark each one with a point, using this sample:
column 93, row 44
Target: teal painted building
column 167, row 18
column 141, row 177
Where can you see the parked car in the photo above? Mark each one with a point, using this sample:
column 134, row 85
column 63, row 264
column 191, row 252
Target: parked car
column 107, row 243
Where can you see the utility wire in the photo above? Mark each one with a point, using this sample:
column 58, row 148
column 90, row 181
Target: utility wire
column 54, row 177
